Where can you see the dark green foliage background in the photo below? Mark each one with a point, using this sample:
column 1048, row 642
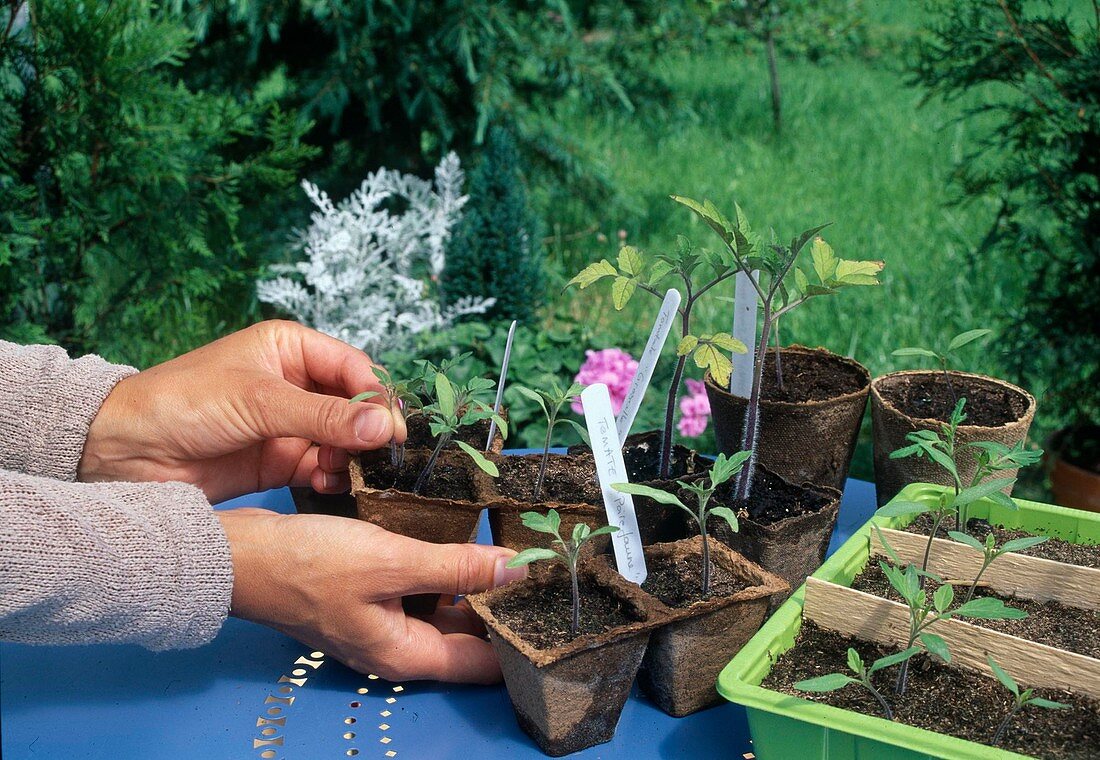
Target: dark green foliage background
column 1042, row 166
column 496, row 249
column 122, row 191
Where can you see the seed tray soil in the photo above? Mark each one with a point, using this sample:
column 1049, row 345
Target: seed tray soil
column 942, row 699
column 772, row 499
column 542, row 615
column 447, row 481
column 677, row 581
column 1070, row 628
column 928, row 397
column 1055, row 549
column 809, row 377
column 570, row 479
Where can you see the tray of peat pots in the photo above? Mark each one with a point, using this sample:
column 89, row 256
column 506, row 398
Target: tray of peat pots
column 436, row 494
column 911, row 400
column 570, row 638
column 710, row 599
column 811, row 406
column 956, row 623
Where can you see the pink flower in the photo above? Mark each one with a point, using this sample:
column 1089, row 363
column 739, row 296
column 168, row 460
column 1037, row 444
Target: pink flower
column 694, row 410
column 611, row 366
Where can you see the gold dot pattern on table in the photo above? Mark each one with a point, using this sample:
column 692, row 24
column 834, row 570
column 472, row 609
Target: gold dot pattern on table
column 383, row 727
column 385, row 713
column 272, row 722
column 390, row 753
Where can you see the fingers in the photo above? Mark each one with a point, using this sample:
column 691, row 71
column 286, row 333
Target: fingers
column 422, row 568
column 457, row 618
column 281, row 410
column 313, row 358
column 453, row 657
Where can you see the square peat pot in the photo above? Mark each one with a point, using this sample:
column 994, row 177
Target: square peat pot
column 785, row 727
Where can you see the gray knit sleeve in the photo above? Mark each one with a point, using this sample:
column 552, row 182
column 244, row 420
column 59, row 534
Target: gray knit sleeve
column 47, row 404
column 82, row 563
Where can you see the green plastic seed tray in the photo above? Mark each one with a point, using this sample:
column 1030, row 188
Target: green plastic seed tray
column 785, row 727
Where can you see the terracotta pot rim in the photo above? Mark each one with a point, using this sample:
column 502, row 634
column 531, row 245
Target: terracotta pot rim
column 394, row 497
column 639, row 604
column 876, row 395
column 764, row 584
column 795, row 348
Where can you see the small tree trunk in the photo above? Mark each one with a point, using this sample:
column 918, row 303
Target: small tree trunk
column 773, row 74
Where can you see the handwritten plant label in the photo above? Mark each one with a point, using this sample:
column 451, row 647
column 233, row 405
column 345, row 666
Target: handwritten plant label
column 661, row 327
column 744, row 330
column 500, row 384
column 610, row 468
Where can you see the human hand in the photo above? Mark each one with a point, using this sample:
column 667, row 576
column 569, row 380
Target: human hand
column 261, row 408
column 336, row 585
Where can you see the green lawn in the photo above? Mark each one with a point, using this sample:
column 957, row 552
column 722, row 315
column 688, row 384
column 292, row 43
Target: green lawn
column 857, row 150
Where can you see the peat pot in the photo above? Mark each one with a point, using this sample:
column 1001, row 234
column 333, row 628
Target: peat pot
column 697, row 638
column 568, row 695
column 904, row 402
column 808, row 431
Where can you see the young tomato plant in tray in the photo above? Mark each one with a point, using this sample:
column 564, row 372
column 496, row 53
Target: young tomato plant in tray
column 400, row 399
column 724, row 469
column 990, row 551
column 1020, row 699
column 944, row 449
column 924, row 610
column 569, row 555
column 834, row 681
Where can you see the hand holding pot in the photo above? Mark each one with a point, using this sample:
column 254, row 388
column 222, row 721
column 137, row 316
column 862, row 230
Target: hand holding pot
column 337, row 584
column 245, row 413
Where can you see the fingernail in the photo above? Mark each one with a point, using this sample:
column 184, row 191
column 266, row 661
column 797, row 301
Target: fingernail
column 370, row 425
column 503, row 574
column 328, row 480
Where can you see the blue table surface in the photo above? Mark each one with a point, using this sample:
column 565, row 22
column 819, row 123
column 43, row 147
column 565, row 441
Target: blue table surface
column 125, row 702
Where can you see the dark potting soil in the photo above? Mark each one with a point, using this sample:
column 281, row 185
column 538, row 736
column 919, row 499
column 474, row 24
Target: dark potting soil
column 928, row 397
column 643, row 461
column 1070, row 628
column 1055, row 548
column 447, row 481
column 542, row 615
column 677, row 581
column 939, row 698
column 772, row 499
column 570, row 479
column 420, row 436
column 809, row 377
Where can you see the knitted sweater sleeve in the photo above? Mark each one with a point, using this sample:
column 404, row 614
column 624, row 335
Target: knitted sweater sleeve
column 143, row 563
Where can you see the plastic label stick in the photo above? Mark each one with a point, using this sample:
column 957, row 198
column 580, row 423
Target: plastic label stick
column 665, row 319
column 610, row 468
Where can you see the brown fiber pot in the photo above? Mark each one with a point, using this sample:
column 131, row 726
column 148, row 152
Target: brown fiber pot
column 793, row 547
column 571, row 696
column 890, row 425
column 641, row 454
column 571, row 488
column 428, row 517
column 805, row 442
column 694, row 643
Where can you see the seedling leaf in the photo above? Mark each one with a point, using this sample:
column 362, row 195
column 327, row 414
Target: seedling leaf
column 728, row 515
column 659, row 496
column 363, row 396
column 1020, row 544
column 966, row 538
column 989, row 608
column 899, row 508
column 592, row 273
column 892, row 659
column 969, row 336
column 831, row 682
column 1008, row 681
column 527, row 556
column 936, row 645
column 479, row 458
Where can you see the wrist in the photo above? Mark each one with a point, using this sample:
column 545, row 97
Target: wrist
column 105, row 448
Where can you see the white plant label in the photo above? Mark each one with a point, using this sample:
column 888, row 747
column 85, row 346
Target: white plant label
column 500, row 384
column 634, row 395
column 610, row 468
column 744, row 330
